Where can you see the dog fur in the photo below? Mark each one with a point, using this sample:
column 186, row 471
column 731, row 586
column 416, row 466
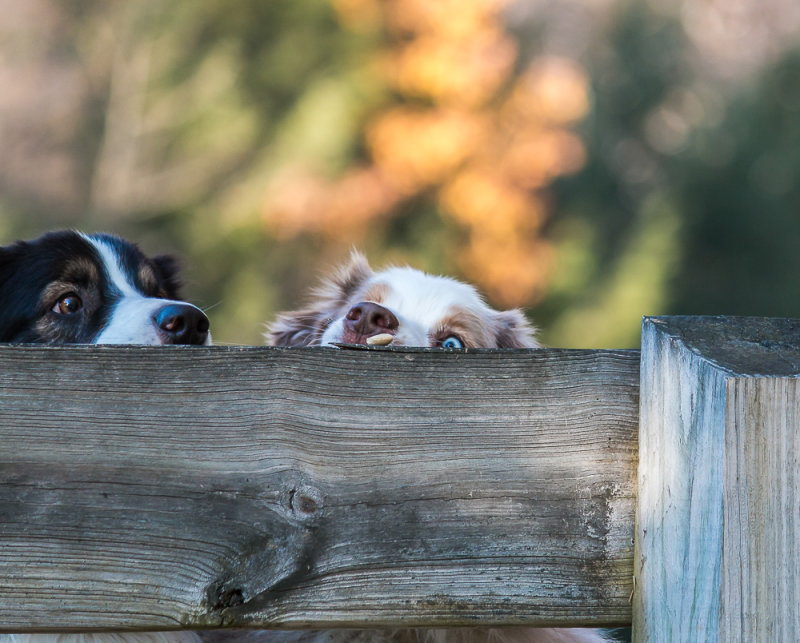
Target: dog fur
column 424, row 310
column 71, row 288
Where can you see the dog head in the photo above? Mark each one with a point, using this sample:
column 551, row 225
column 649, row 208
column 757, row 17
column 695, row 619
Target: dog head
column 414, row 308
column 68, row 287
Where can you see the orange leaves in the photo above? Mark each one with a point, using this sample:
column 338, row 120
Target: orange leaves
column 358, row 15
column 455, row 52
column 532, row 160
column 453, row 73
column 418, row 148
column 448, row 19
column 463, row 129
column 525, row 149
column 302, row 201
column 551, row 94
column 503, row 253
column 513, row 270
column 473, row 193
column 552, row 91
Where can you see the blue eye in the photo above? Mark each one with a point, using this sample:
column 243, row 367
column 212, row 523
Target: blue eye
column 452, row 342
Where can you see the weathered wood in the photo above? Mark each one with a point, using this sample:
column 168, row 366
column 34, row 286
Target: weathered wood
column 679, row 505
column 760, row 592
column 719, row 491
column 153, row 488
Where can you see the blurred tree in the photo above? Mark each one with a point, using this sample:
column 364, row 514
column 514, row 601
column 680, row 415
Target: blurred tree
column 470, row 133
column 616, row 227
column 687, row 203
column 739, row 192
column 601, row 161
column 165, row 122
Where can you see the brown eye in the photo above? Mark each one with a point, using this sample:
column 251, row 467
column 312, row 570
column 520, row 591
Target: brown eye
column 68, row 304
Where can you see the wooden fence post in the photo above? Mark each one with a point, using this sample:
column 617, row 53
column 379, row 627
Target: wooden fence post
column 718, row 519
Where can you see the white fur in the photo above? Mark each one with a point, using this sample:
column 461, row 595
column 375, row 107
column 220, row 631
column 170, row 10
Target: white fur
column 420, row 301
column 428, row 310
column 114, row 270
column 132, row 321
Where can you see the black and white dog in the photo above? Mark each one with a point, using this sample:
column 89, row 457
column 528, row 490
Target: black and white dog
column 68, row 287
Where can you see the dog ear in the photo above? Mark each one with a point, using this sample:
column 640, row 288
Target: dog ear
column 513, row 330
column 8, row 260
column 296, row 328
column 337, row 291
column 305, row 327
column 167, row 268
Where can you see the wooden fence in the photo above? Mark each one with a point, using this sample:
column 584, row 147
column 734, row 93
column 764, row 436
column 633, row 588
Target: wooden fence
column 153, row 488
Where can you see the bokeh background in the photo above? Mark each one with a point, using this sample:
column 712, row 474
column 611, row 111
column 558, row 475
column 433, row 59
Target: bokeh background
column 589, row 160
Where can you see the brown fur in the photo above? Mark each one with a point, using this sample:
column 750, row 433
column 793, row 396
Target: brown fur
column 478, row 327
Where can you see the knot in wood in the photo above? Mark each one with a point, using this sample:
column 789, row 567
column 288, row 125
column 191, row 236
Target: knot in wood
column 222, row 598
column 304, row 502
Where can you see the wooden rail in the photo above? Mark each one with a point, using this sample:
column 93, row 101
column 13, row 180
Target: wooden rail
column 158, row 488
column 170, row 488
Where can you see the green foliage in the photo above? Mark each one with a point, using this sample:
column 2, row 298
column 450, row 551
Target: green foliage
column 702, row 219
column 173, row 121
column 742, row 207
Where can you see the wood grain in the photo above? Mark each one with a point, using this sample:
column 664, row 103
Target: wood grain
column 717, row 519
column 760, row 577
column 170, row 487
column 679, row 510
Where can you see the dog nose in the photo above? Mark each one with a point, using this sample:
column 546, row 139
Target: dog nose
column 182, row 324
column 367, row 319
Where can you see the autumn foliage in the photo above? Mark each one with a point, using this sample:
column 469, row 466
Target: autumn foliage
column 464, row 128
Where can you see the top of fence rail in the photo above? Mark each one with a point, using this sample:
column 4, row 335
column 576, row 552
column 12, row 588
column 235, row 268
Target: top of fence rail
column 742, row 346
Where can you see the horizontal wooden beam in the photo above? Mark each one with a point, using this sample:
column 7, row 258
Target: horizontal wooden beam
column 165, row 487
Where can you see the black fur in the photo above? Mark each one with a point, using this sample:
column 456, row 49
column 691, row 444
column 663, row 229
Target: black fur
column 35, row 274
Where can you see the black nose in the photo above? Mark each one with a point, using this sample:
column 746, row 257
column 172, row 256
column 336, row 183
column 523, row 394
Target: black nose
column 368, row 319
column 182, row 324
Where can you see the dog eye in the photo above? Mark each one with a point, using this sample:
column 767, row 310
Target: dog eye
column 68, row 304
column 452, row 342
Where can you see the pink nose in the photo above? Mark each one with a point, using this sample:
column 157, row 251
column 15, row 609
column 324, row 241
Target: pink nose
column 367, row 319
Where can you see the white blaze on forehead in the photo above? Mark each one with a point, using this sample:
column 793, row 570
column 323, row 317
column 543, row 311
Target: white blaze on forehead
column 113, row 268
column 419, row 301
column 427, row 299
column 133, row 318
